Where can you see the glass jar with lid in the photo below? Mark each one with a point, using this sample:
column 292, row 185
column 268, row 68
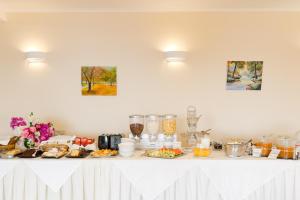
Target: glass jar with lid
column 286, row 146
column 265, row 144
column 169, row 125
column 153, row 126
column 203, row 149
column 136, row 123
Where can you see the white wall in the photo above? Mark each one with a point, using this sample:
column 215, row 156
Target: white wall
column 134, row 42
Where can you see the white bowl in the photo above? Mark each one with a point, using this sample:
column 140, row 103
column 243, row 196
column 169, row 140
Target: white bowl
column 126, row 153
column 126, row 145
column 126, row 149
column 126, row 140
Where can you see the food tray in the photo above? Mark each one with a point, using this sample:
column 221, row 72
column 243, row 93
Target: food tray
column 54, row 157
column 37, row 154
column 4, row 156
column 61, row 147
column 83, row 154
column 104, row 156
column 147, row 154
column 9, row 154
column 108, row 155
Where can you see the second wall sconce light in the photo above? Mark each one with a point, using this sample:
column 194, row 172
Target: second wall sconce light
column 175, row 56
column 35, row 56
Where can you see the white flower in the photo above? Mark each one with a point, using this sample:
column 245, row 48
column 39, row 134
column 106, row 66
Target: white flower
column 37, row 134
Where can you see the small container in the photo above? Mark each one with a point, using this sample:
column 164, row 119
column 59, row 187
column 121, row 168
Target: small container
column 265, row 145
column 235, row 149
column 126, row 140
column 126, row 149
column 217, row 146
column 201, row 151
column 169, row 124
column 106, row 141
column 103, row 141
column 286, row 146
column 114, row 140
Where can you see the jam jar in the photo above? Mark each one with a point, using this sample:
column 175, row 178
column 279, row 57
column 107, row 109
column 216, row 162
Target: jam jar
column 286, row 146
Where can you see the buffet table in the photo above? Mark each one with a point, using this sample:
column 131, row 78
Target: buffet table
column 141, row 178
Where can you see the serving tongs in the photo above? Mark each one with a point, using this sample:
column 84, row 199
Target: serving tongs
column 199, row 135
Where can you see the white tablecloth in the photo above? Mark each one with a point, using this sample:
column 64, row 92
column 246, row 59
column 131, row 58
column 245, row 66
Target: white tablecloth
column 214, row 178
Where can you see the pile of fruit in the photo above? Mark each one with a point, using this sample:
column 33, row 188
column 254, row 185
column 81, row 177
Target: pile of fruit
column 83, row 141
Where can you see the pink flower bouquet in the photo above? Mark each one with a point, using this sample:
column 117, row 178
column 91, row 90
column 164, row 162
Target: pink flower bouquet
column 31, row 132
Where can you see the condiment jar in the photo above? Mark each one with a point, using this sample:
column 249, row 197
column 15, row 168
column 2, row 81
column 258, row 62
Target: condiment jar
column 265, row 145
column 286, row 146
column 203, row 149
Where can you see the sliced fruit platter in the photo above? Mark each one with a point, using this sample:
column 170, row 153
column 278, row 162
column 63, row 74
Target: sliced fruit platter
column 164, row 153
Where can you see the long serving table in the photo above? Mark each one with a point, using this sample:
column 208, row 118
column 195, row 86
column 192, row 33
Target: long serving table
column 140, row 178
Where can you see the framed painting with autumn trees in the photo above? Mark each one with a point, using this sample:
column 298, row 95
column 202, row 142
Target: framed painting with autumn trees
column 97, row 80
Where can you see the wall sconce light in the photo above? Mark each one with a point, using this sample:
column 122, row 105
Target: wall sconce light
column 35, row 56
column 175, row 56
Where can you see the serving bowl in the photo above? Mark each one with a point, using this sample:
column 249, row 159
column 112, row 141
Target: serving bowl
column 235, row 149
column 127, row 140
column 126, row 149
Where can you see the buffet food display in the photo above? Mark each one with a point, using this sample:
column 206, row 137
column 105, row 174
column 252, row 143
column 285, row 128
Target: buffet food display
column 157, row 140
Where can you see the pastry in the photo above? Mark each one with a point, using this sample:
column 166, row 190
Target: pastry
column 13, row 152
column 53, row 153
column 60, row 147
column 75, row 153
column 104, row 153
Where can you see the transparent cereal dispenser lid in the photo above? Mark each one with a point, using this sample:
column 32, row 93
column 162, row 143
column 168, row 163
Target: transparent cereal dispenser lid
column 285, row 141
